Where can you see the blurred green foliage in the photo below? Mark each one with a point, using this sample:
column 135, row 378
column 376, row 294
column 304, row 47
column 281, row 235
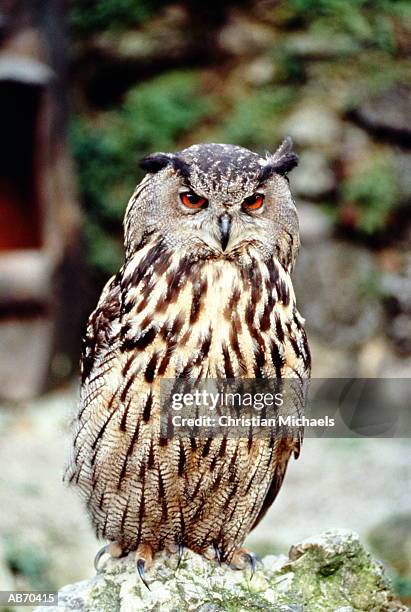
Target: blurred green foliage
column 338, row 50
column 368, row 22
column 374, row 191
column 254, row 121
column 153, row 117
column 88, row 16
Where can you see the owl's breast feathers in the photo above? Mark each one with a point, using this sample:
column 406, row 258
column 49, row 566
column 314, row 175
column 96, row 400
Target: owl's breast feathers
column 164, row 316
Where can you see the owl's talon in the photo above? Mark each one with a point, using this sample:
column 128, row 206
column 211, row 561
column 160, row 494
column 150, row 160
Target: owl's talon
column 103, row 550
column 113, row 549
column 213, row 553
column 217, row 553
column 180, row 554
column 252, row 562
column 140, row 565
column 241, row 559
column 144, row 560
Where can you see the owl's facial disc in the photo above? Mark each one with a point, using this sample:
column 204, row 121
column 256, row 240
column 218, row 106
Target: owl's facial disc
column 251, row 203
column 217, row 201
column 224, row 226
column 222, row 223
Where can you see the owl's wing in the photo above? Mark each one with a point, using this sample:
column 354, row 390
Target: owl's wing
column 286, row 447
column 98, row 350
column 99, row 331
column 289, row 442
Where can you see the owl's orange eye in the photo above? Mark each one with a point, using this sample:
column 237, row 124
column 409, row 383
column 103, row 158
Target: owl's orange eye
column 254, row 202
column 192, row 200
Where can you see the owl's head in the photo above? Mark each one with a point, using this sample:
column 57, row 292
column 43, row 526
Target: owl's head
column 216, row 201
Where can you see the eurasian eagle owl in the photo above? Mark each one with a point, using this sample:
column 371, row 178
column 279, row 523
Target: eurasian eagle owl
column 211, row 236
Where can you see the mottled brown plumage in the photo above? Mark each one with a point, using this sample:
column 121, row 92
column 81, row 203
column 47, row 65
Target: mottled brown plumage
column 183, row 306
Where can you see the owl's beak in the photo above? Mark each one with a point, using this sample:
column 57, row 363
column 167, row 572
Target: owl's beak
column 224, row 224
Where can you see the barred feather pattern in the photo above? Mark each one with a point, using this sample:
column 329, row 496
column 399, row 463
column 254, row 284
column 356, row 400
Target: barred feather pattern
column 167, row 315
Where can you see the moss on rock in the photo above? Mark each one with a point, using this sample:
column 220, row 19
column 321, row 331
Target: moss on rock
column 331, row 571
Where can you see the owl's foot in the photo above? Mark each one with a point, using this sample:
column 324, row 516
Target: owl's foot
column 113, row 549
column 144, row 560
column 180, row 554
column 176, row 548
column 213, row 553
column 218, row 554
column 242, row 559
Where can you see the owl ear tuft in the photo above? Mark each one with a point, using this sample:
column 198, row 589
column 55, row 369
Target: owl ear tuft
column 283, row 160
column 157, row 161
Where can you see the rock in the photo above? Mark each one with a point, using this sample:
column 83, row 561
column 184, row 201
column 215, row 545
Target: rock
column 355, row 148
column 394, row 366
column 336, row 287
column 387, row 114
column 399, row 332
column 310, row 46
column 162, row 38
column 243, row 37
column 396, row 288
column 314, row 223
column 402, row 167
column 313, row 178
column 312, row 125
column 259, row 71
column 330, row 361
column 329, row 572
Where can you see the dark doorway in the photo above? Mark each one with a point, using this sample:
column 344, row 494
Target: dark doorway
column 20, row 210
